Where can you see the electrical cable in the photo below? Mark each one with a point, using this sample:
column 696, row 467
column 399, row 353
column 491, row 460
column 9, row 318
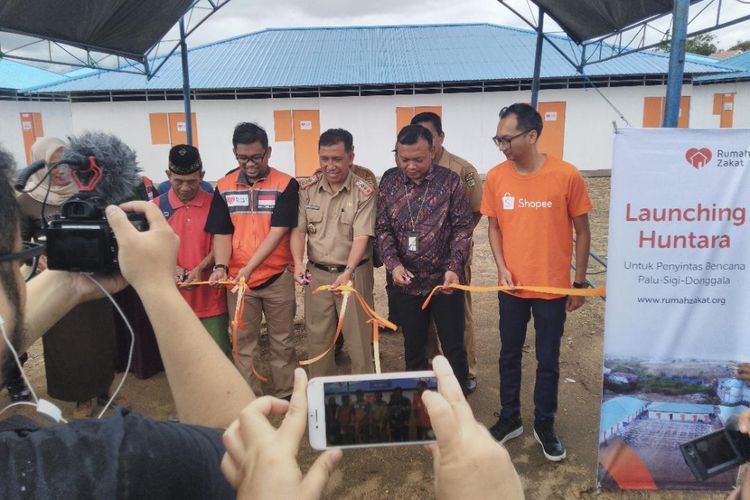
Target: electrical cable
column 37, row 401
column 17, row 403
column 132, row 343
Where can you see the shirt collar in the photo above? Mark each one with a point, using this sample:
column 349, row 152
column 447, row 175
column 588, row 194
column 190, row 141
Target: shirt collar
column 242, row 179
column 323, row 184
column 428, row 177
column 198, row 201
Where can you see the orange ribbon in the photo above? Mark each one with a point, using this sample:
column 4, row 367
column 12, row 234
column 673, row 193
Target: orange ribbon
column 239, row 287
column 581, row 292
column 375, row 320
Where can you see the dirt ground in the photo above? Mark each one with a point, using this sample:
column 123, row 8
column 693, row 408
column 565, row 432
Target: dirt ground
column 406, row 472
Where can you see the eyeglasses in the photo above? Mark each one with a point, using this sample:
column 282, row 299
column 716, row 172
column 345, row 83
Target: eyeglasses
column 255, row 159
column 29, row 255
column 504, row 142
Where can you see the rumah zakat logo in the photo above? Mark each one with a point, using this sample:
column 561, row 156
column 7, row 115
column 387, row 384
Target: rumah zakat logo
column 698, row 158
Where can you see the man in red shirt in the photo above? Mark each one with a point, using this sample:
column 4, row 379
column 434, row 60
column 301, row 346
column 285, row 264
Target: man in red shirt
column 186, row 207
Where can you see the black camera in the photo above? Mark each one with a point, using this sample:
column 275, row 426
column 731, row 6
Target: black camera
column 80, row 239
column 717, row 452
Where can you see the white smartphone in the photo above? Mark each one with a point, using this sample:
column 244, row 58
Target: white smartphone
column 363, row 411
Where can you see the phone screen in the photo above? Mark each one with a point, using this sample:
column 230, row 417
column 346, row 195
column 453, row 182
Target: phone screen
column 377, row 411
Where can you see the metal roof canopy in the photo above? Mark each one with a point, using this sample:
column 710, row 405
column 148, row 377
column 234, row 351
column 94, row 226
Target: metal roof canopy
column 605, row 29
column 131, row 29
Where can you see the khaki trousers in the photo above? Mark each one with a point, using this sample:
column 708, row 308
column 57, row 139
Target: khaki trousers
column 276, row 303
column 433, row 344
column 322, row 315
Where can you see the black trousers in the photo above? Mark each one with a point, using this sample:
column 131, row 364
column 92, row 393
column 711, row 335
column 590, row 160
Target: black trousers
column 549, row 323
column 392, row 292
column 448, row 313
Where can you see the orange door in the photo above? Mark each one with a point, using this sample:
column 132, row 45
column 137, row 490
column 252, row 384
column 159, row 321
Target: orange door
column 31, row 129
column 178, row 129
column 306, row 129
column 653, row 110
column 726, row 111
column 405, row 114
column 403, row 117
column 552, row 140
column 655, row 107
column 684, row 119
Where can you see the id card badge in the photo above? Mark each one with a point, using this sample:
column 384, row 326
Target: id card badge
column 412, row 242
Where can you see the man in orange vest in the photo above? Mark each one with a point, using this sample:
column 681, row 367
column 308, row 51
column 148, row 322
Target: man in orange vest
column 252, row 212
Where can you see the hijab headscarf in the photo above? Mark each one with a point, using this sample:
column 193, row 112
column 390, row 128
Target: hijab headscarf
column 43, row 149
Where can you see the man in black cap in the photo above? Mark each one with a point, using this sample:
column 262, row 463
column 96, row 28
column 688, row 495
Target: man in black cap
column 186, row 207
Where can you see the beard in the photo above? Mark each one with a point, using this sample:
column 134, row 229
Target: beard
column 10, row 288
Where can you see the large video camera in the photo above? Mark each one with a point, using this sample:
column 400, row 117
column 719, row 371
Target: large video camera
column 717, row 452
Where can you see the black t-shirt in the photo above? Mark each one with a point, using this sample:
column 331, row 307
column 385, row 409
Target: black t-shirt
column 284, row 212
column 123, row 456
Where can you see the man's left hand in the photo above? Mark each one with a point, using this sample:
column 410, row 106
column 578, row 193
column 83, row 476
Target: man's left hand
column 245, row 273
column 574, row 302
column 341, row 280
column 449, row 279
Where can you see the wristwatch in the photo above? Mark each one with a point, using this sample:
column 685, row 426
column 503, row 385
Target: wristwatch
column 580, row 285
column 220, row 266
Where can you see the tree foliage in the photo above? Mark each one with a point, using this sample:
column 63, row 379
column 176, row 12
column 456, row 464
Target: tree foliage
column 744, row 46
column 702, row 44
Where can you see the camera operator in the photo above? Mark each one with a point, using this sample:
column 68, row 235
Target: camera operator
column 125, row 455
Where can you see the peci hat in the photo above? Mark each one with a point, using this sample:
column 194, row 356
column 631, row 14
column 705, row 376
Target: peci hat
column 184, row 160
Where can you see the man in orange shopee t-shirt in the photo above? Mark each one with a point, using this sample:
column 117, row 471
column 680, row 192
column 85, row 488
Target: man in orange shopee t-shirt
column 533, row 202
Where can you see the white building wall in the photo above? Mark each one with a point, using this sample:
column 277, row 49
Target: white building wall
column 704, row 102
column 470, row 120
column 56, row 121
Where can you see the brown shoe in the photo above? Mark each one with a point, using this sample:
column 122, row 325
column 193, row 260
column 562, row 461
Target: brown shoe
column 84, row 409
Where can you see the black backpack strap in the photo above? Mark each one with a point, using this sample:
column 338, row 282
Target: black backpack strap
column 165, row 207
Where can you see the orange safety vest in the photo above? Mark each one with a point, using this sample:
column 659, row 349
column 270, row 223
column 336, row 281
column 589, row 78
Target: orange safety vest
column 250, row 208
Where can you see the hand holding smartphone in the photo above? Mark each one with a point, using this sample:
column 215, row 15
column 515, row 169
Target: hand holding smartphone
column 371, row 410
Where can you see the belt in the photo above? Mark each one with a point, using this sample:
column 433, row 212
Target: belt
column 333, row 268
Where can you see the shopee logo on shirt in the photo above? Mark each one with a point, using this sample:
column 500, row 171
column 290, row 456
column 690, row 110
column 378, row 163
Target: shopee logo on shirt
column 509, row 203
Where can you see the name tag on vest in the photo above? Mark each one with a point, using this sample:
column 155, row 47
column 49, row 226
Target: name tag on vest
column 238, row 200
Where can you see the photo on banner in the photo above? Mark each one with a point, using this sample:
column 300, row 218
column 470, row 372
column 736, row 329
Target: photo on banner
column 677, row 319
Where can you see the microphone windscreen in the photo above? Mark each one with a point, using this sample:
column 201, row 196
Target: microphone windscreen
column 121, row 173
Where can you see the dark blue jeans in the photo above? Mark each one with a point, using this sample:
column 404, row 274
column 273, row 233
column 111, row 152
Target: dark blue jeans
column 448, row 313
column 549, row 322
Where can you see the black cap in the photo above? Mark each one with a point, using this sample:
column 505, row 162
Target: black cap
column 184, row 160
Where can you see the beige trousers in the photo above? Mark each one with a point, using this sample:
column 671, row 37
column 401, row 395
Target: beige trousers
column 321, row 317
column 276, row 303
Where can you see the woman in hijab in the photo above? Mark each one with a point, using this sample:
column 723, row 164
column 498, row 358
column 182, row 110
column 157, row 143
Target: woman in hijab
column 79, row 349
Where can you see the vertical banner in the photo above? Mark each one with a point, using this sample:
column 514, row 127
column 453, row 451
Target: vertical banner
column 678, row 314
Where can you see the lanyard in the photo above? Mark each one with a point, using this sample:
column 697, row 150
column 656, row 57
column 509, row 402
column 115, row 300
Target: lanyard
column 421, row 206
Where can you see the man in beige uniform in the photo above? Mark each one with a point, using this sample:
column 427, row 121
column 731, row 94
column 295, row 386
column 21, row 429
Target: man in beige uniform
column 468, row 173
column 337, row 214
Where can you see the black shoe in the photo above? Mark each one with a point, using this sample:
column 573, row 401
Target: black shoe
column 471, row 385
column 544, row 433
column 18, row 390
column 506, row 428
